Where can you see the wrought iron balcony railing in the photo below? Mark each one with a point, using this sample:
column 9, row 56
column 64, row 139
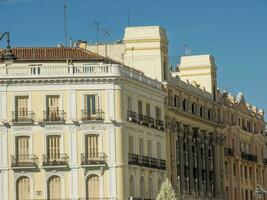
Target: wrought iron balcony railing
column 131, row 116
column 24, row 161
column 228, row 152
column 248, row 157
column 55, row 160
column 142, row 119
column 54, row 115
column 88, row 115
column 146, row 161
column 25, row 116
column 151, row 122
column 159, row 124
column 88, row 159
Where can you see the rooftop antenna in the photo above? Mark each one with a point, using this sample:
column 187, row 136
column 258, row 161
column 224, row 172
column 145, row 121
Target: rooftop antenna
column 65, row 22
column 106, row 34
column 188, row 51
column 97, row 32
column 128, row 18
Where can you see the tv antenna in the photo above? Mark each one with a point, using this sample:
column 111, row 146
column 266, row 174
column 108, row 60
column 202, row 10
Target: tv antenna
column 128, row 18
column 97, row 33
column 188, row 51
column 65, row 23
column 106, row 34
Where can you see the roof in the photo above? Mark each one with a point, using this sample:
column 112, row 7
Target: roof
column 54, row 54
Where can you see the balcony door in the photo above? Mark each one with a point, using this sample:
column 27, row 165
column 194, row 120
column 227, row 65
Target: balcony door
column 22, row 148
column 23, row 188
column 92, row 187
column 53, row 147
column 52, row 108
column 91, row 146
column 21, row 108
column 91, row 105
column 54, row 188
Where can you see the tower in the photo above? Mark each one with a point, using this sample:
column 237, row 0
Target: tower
column 146, row 49
column 200, row 69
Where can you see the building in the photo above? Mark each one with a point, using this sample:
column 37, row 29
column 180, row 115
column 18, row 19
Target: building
column 76, row 125
column 216, row 146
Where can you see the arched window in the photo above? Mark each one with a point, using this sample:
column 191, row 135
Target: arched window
column 150, row 186
column 92, row 187
column 142, row 188
column 23, row 188
column 54, row 188
column 131, row 186
column 159, row 184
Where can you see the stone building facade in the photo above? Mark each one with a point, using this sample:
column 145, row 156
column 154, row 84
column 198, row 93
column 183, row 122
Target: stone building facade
column 214, row 139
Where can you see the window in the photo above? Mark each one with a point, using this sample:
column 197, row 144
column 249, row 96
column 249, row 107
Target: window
column 233, row 144
column 140, row 107
column 158, row 113
column 184, row 105
column 54, row 188
column 130, row 144
column 92, row 189
column 150, row 187
column 129, row 104
column 53, row 147
column 23, row 188
column 246, row 173
column 193, row 108
column 52, row 108
column 234, row 169
column 158, row 150
column 132, row 186
column 142, row 188
column 176, row 101
column 91, row 146
column 148, row 110
column 209, row 114
column 21, row 108
column 141, row 146
column 201, row 111
column 22, row 148
column 149, row 148
column 226, row 168
column 91, row 104
column 250, row 173
column 159, row 184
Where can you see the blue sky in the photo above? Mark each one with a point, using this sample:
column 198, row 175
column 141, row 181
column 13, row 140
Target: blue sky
column 233, row 31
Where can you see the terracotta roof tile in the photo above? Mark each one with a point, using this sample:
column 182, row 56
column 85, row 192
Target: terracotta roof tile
column 53, row 53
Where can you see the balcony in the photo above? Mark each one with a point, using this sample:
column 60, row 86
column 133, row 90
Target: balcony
column 54, row 116
column 146, row 161
column 248, row 157
column 27, row 161
column 228, row 152
column 22, row 117
column 264, row 161
column 92, row 116
column 131, row 116
column 93, row 159
column 159, row 124
column 55, row 160
column 151, row 122
column 142, row 119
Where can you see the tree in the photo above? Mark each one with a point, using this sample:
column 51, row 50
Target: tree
column 166, row 191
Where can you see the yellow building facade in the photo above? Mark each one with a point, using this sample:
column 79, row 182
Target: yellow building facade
column 75, row 125
column 216, row 146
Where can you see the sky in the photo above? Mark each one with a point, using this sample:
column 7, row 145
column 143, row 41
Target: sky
column 233, row 31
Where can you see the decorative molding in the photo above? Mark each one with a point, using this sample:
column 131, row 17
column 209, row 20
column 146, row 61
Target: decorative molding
column 53, row 128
